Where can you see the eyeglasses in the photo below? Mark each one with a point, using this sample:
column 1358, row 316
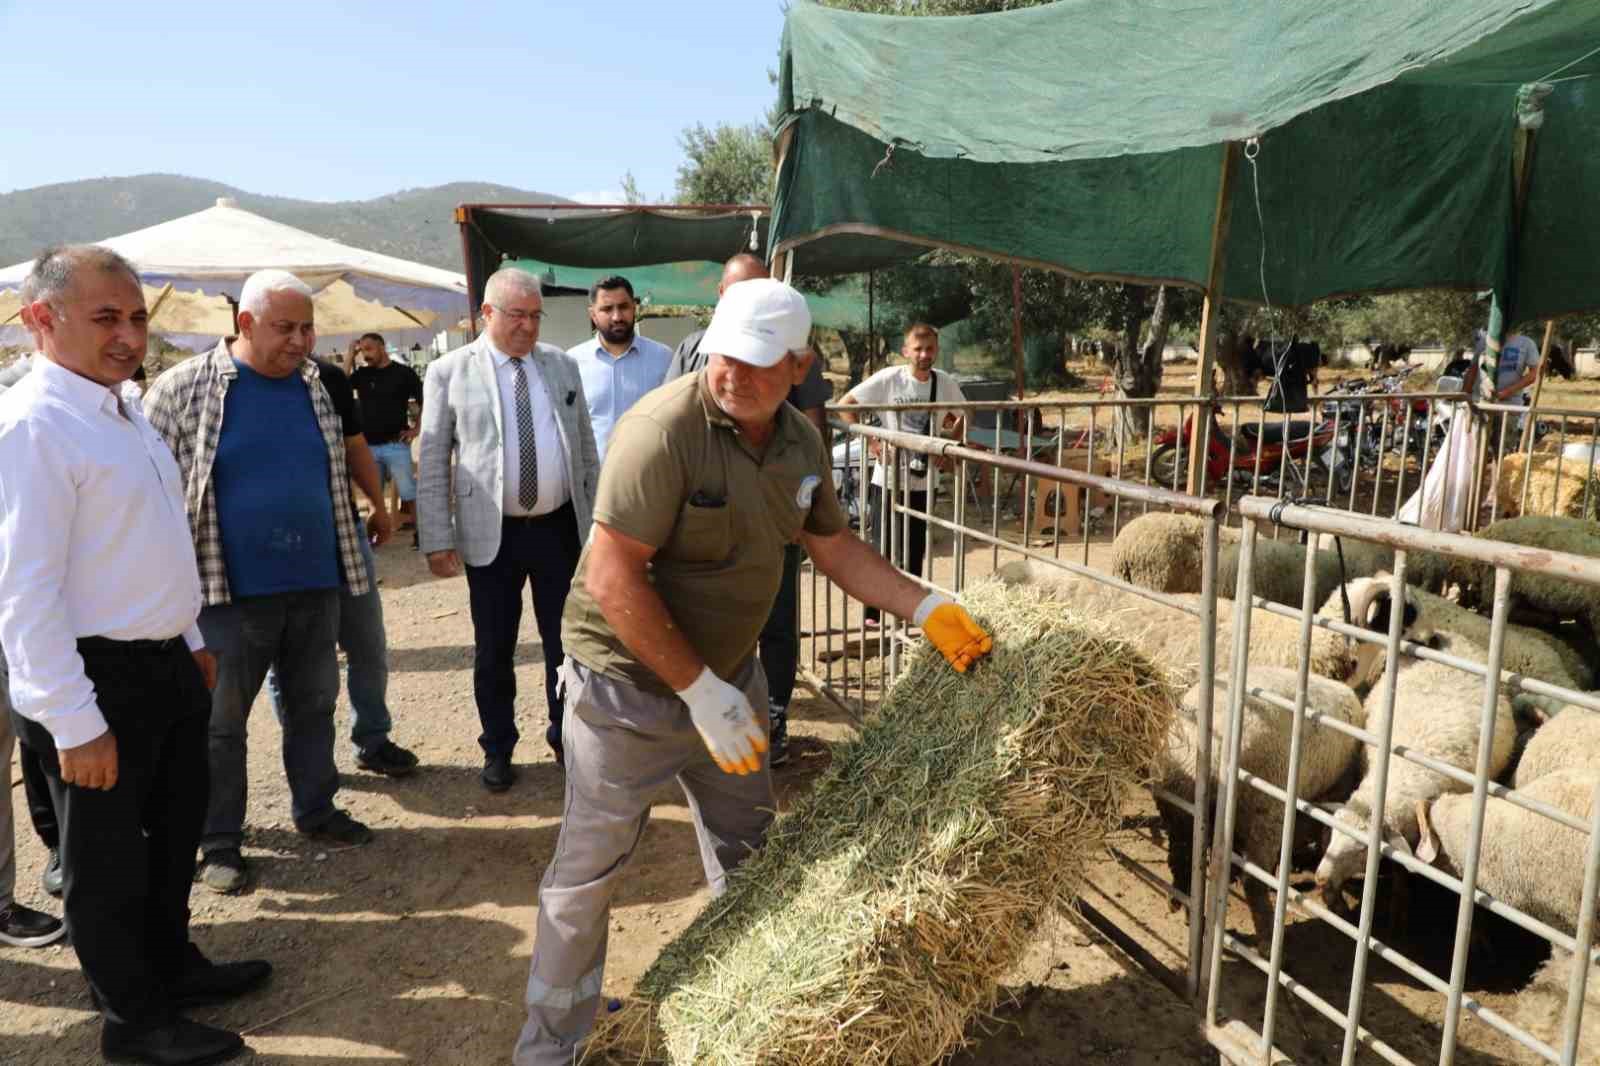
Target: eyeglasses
column 519, row 317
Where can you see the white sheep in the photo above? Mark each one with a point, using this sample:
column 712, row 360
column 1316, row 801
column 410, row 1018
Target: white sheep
column 1437, row 711
column 1527, row 860
column 1173, row 639
column 1528, row 652
column 1542, row 1010
column 1327, row 755
column 1569, row 741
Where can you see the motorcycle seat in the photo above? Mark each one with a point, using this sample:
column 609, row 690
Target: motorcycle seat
column 1273, row 432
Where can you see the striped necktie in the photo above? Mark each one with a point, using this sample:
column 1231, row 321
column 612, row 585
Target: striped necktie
column 527, row 452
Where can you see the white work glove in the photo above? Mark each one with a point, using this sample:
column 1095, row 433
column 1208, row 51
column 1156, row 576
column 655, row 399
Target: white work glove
column 726, row 722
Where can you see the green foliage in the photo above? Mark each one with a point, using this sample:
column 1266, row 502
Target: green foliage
column 727, row 165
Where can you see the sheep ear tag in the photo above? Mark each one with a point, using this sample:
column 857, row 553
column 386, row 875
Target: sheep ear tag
column 1427, row 847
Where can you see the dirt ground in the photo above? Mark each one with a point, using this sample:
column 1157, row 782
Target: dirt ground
column 415, row 948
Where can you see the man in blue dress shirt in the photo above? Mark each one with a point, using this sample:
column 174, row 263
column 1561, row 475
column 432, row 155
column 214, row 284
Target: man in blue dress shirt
column 618, row 365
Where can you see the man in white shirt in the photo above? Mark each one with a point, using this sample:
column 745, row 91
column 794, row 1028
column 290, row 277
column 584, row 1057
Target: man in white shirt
column 618, row 365
column 915, row 381
column 111, row 687
column 20, row 926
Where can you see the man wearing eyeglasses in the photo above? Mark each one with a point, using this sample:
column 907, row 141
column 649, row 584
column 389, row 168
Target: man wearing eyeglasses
column 513, row 507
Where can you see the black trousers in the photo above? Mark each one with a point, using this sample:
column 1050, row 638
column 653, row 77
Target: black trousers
column 41, row 809
column 542, row 551
column 128, row 853
column 908, row 534
column 780, row 637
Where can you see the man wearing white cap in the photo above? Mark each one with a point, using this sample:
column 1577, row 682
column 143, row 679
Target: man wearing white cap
column 706, row 480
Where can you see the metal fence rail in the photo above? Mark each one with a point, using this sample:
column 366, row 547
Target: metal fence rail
column 1245, row 1042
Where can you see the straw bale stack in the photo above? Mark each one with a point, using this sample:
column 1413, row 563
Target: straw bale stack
column 1577, row 481
column 877, row 921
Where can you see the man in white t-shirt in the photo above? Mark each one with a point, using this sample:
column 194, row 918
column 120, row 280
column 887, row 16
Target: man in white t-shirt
column 914, row 381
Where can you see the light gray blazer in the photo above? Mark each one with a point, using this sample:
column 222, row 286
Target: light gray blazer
column 461, row 459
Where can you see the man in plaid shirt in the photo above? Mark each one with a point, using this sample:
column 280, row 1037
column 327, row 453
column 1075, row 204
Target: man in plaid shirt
column 262, row 454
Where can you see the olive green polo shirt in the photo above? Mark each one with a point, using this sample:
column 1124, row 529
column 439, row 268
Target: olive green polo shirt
column 680, row 478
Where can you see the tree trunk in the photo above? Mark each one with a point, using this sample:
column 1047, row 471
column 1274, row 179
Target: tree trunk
column 1138, row 368
column 1236, row 379
column 857, row 354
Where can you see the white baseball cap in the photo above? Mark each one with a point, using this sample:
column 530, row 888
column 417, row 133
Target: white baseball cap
column 758, row 322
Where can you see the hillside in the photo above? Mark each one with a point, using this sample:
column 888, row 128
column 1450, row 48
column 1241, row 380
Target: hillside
column 414, row 224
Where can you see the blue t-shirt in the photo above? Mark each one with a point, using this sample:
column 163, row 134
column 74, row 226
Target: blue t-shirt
column 274, row 506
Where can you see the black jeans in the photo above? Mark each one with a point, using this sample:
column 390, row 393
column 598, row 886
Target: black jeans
column 41, row 809
column 908, row 534
column 542, row 551
column 780, row 637
column 128, row 852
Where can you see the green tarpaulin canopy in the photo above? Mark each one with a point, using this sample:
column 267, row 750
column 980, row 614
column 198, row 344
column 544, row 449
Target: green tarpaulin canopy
column 1089, row 136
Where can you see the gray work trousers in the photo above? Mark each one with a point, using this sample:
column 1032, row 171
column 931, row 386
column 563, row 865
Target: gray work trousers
column 622, row 744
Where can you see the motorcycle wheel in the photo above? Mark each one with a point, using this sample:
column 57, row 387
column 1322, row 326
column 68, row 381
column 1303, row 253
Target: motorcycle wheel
column 1168, row 464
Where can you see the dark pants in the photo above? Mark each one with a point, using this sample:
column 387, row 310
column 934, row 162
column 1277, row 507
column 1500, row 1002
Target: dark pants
column 128, row 853
column 41, row 809
column 780, row 637
column 542, row 551
column 293, row 632
column 908, row 534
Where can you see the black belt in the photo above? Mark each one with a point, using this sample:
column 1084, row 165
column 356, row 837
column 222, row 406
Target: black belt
column 131, row 647
column 564, row 511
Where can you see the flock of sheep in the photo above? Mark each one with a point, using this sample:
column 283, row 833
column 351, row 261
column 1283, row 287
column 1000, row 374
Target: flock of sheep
column 1542, row 747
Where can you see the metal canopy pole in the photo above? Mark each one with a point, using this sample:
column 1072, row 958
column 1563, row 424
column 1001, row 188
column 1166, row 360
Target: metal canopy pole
column 463, row 220
column 1210, row 311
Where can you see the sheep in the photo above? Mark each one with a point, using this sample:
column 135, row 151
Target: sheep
column 1528, row 651
column 1164, row 552
column 1569, row 741
column 1160, row 551
column 1327, row 756
column 1173, row 640
column 1437, row 711
column 1545, row 594
column 1541, row 1010
column 1527, row 860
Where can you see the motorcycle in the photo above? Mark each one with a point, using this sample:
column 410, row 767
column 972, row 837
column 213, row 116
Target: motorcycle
column 1236, row 455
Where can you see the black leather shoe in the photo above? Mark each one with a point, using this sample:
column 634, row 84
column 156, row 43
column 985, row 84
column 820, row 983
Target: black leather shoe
column 50, row 880
column 179, row 1043
column 498, row 773
column 24, row 927
column 208, row 982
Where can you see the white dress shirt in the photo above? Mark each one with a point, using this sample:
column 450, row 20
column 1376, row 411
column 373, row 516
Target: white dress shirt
column 94, row 542
column 614, row 383
column 552, row 457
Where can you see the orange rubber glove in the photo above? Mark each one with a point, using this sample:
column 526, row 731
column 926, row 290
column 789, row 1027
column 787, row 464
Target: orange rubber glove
column 947, row 624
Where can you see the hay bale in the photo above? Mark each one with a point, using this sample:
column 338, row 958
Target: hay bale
column 1172, row 639
column 877, row 921
column 1557, row 485
column 1561, row 597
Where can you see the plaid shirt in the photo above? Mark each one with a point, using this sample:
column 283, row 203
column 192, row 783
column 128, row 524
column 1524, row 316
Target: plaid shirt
column 185, row 405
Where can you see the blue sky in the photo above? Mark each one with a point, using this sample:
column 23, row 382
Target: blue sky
column 335, row 101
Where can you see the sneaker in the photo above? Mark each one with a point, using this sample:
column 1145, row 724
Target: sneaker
column 51, row 879
column 23, row 927
column 778, row 737
column 388, row 759
column 342, row 829
column 223, row 871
